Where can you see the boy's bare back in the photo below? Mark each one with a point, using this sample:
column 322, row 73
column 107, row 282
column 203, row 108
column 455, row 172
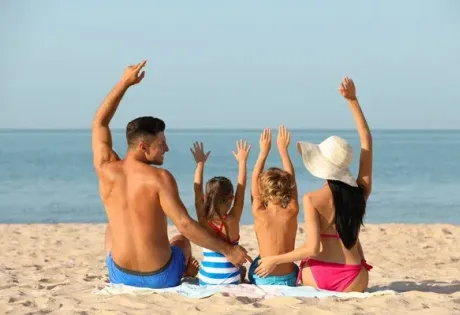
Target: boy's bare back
column 275, row 224
column 276, row 229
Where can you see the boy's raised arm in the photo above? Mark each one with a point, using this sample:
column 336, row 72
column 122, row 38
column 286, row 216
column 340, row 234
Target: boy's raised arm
column 265, row 145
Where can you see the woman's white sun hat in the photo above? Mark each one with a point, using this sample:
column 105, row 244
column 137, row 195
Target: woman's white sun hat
column 330, row 159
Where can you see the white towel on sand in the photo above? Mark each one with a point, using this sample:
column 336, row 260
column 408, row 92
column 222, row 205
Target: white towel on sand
column 242, row 290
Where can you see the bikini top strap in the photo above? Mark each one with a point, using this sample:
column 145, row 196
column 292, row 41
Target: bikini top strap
column 218, row 229
column 215, row 227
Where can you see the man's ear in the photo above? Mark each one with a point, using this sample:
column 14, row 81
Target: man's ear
column 142, row 146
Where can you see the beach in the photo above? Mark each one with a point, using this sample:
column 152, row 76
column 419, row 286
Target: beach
column 55, row 269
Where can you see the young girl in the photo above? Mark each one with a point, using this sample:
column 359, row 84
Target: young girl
column 332, row 256
column 219, row 211
column 275, row 208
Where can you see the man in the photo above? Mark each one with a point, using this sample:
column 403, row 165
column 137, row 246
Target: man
column 138, row 198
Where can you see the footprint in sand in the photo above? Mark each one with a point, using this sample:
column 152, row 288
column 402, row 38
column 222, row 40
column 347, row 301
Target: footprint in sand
column 51, row 287
column 27, row 303
column 446, row 231
column 88, row 278
column 37, row 267
column 247, row 300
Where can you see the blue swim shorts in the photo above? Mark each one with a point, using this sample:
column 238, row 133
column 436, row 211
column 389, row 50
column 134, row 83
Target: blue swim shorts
column 167, row 276
column 289, row 279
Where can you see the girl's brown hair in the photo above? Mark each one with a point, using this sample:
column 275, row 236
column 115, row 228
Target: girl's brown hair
column 218, row 191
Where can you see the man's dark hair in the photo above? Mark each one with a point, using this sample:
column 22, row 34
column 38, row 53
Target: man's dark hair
column 143, row 128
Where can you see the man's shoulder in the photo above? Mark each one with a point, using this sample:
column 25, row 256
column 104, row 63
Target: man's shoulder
column 160, row 176
column 159, row 172
column 108, row 169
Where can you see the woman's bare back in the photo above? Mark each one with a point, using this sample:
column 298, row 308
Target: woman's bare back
column 332, row 249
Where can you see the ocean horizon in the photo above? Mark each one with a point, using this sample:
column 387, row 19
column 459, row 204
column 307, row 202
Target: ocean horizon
column 46, row 175
column 118, row 129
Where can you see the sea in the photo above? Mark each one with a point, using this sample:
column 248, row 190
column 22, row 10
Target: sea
column 48, row 176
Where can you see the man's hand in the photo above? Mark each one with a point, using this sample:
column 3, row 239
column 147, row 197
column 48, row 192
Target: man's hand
column 347, row 89
column 265, row 141
column 242, row 151
column 237, row 255
column 284, row 138
column 131, row 75
column 198, row 153
column 101, row 136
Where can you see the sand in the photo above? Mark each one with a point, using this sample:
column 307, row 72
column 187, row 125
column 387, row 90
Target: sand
column 53, row 269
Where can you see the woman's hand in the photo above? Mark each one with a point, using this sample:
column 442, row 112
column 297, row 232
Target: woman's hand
column 266, row 266
column 347, row 89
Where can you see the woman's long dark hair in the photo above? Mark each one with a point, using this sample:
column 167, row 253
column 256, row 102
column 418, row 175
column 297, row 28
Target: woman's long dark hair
column 350, row 208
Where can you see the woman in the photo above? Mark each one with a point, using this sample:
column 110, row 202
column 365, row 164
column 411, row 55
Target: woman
column 332, row 257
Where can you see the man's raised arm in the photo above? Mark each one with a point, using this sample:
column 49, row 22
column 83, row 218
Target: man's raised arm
column 101, row 137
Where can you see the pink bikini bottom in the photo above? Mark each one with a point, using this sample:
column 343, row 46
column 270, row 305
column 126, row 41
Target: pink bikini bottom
column 332, row 276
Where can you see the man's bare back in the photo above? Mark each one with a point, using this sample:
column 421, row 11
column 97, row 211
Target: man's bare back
column 131, row 198
column 138, row 198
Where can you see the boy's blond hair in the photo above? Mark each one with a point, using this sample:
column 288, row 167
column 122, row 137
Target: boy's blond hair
column 276, row 186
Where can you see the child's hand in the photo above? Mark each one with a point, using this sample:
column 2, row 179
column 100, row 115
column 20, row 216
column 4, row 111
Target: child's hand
column 198, row 153
column 242, row 151
column 284, row 138
column 265, row 141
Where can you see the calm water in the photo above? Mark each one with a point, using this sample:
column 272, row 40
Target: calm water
column 47, row 176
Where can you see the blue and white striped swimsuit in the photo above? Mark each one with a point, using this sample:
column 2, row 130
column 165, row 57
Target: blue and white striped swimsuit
column 215, row 269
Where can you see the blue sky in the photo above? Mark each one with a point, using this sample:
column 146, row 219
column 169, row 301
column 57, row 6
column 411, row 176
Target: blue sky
column 238, row 64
